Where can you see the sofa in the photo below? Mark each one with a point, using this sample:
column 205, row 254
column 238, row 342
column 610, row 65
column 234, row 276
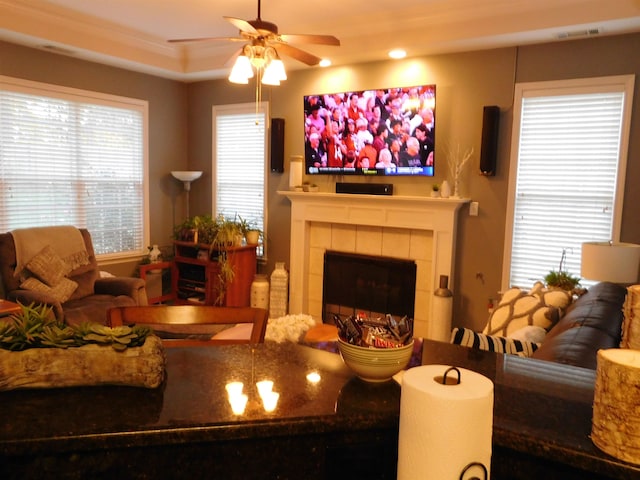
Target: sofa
column 593, row 322
column 80, row 294
column 574, row 334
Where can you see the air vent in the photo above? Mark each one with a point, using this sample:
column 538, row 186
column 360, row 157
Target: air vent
column 587, row 32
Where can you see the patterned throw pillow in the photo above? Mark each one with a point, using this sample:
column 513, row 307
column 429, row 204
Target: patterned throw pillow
column 517, row 309
column 62, row 291
column 469, row 338
column 48, row 266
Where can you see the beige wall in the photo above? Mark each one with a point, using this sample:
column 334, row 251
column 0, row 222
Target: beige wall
column 181, row 134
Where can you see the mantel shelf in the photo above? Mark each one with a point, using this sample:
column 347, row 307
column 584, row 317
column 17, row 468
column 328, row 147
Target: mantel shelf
column 450, row 202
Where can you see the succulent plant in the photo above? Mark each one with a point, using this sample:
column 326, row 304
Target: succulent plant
column 35, row 327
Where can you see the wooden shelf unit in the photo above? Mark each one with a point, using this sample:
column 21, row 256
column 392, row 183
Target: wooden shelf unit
column 196, row 271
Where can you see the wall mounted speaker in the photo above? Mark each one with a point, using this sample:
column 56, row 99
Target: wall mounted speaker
column 489, row 146
column 277, row 145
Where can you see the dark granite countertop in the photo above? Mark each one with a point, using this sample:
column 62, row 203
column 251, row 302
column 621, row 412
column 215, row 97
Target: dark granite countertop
column 542, row 409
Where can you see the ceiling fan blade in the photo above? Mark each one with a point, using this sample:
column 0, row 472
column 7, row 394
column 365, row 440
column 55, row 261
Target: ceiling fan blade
column 232, row 58
column 242, row 25
column 300, row 55
column 312, row 39
column 206, row 39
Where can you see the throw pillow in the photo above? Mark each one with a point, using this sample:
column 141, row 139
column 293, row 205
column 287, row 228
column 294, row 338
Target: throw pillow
column 61, row 291
column 631, row 321
column 48, row 266
column 517, row 309
column 530, row 333
column 492, row 343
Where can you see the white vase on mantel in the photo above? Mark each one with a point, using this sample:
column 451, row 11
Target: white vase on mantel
column 445, row 189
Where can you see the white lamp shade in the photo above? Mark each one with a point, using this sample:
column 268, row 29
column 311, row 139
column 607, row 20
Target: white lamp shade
column 610, row 262
column 274, row 73
column 241, row 71
column 186, row 175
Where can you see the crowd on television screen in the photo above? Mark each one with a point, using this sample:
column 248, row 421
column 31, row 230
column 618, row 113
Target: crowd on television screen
column 372, row 129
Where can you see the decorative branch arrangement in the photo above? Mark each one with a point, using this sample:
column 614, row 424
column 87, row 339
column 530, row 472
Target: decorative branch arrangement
column 457, row 162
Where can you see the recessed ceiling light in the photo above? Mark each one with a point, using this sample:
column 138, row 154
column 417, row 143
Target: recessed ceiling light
column 397, row 53
column 325, row 62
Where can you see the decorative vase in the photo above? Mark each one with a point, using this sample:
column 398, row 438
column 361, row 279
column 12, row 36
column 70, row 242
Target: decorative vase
column 260, row 292
column 456, row 184
column 154, row 254
column 279, row 294
column 295, row 171
column 445, row 189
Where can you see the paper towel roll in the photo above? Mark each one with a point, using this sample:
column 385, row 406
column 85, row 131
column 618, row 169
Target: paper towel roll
column 444, row 428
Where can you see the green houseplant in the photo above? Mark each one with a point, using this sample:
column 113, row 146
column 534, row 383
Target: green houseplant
column 561, row 278
column 218, row 235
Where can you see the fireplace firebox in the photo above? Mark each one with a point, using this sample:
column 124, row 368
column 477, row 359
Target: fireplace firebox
column 373, row 285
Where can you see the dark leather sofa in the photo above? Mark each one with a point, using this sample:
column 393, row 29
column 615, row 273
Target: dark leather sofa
column 591, row 323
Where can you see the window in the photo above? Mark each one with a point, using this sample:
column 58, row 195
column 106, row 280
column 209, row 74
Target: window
column 240, row 162
column 567, row 173
column 72, row 157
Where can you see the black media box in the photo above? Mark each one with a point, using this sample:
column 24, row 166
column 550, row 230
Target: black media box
column 365, row 188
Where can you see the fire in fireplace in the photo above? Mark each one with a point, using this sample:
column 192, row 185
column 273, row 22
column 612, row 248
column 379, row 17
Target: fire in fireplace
column 373, row 285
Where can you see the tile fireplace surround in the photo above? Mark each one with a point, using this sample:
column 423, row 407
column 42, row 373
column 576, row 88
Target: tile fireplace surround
column 422, row 229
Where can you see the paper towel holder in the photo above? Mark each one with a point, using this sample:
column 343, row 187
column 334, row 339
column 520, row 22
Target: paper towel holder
column 470, row 466
column 446, row 381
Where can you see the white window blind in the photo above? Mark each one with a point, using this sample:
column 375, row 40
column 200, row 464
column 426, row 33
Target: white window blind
column 69, row 157
column 571, row 158
column 239, row 163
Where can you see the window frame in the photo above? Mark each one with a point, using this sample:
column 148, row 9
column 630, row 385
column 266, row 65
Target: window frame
column 614, row 83
column 71, row 94
column 243, row 108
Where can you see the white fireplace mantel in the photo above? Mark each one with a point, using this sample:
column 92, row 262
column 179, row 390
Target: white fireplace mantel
column 437, row 215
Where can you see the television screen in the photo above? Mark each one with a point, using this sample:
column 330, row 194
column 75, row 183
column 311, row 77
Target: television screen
column 388, row 131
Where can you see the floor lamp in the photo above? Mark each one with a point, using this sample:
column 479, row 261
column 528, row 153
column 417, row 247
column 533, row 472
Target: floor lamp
column 186, row 177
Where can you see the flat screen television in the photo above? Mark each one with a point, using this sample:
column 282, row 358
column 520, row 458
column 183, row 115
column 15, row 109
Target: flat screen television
column 389, row 131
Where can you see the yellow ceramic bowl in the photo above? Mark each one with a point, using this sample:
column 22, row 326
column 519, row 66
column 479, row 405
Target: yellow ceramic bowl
column 375, row 364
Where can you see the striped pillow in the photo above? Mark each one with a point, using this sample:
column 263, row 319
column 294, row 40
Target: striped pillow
column 491, row 343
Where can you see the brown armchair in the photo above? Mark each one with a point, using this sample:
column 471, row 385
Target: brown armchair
column 76, row 296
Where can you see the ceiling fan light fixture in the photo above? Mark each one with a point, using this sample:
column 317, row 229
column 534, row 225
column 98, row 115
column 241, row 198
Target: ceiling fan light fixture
column 241, row 71
column 274, row 73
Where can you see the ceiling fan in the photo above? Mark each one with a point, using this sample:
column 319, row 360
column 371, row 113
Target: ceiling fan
column 262, row 34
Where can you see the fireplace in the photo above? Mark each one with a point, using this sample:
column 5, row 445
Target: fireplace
column 370, row 284
column 420, row 229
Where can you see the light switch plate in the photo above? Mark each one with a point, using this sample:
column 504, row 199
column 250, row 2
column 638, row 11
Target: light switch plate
column 473, row 209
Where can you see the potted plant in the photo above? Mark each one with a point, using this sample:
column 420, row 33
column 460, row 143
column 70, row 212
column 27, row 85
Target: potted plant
column 197, row 229
column 62, row 355
column 435, row 190
column 229, row 233
column 561, row 278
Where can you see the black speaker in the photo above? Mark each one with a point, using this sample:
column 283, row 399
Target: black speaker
column 365, row 188
column 489, row 146
column 277, row 145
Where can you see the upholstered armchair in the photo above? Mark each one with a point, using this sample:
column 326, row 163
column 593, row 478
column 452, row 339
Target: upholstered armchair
column 57, row 266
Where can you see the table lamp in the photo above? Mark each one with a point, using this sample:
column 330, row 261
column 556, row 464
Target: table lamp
column 610, row 262
column 186, row 177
